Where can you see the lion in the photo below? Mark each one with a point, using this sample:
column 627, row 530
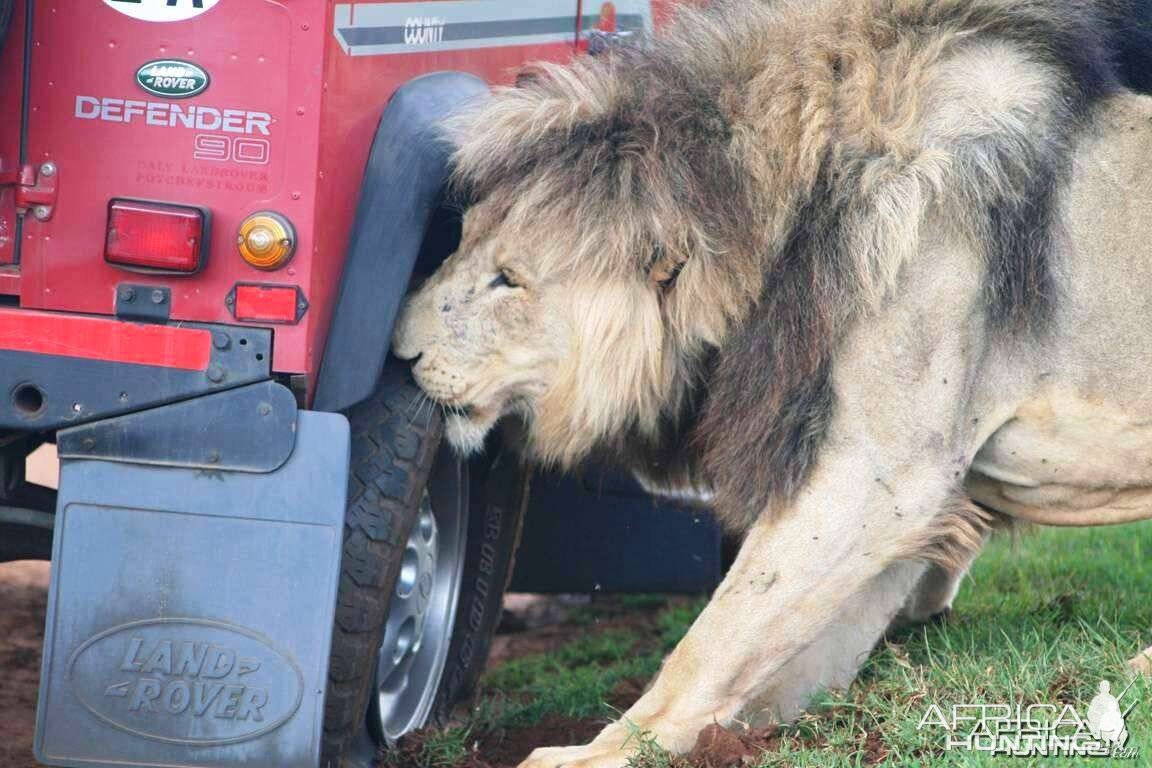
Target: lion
column 870, row 274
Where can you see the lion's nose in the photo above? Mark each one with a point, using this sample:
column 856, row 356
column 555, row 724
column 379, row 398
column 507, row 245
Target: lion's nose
column 409, row 355
column 404, row 345
column 408, row 341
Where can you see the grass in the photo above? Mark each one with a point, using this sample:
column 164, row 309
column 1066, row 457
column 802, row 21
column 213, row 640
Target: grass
column 1041, row 620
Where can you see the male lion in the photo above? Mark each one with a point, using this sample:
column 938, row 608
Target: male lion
column 873, row 273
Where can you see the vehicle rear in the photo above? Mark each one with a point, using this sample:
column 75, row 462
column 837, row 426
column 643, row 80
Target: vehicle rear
column 210, row 211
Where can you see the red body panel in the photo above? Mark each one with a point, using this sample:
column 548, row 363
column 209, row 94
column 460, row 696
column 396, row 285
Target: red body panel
column 307, row 94
column 262, row 57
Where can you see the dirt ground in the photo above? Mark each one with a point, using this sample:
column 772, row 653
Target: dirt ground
column 23, row 594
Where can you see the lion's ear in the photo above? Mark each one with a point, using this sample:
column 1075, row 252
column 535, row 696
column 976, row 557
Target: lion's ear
column 530, row 74
column 664, row 267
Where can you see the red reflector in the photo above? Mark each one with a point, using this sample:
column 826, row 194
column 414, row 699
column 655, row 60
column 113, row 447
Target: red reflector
column 267, row 303
column 154, row 236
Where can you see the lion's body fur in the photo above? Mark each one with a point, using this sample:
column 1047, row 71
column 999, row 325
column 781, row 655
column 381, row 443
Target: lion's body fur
column 875, row 273
column 778, row 163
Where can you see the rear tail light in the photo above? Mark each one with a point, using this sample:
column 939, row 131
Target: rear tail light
column 155, row 237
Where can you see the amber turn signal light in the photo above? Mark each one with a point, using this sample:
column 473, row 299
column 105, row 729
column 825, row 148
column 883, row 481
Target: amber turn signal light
column 266, row 240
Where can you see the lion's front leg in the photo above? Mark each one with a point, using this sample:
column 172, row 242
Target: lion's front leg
column 829, row 572
column 825, row 578
column 833, row 659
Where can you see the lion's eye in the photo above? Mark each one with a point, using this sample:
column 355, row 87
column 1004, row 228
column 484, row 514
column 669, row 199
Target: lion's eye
column 502, row 280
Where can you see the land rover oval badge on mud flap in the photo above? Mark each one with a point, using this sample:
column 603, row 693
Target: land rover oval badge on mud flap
column 186, row 681
column 172, row 78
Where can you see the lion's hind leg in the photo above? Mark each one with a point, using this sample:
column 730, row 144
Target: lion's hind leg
column 940, row 583
column 1142, row 663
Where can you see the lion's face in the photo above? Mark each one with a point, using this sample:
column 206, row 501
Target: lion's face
column 506, row 325
column 486, row 334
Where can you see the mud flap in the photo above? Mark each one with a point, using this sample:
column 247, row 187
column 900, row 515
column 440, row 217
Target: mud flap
column 190, row 613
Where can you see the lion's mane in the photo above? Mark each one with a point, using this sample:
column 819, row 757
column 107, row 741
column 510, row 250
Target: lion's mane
column 772, row 165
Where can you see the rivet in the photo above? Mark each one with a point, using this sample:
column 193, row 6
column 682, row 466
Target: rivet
column 88, row 443
column 264, row 409
column 215, row 373
column 42, row 212
column 158, row 296
column 127, row 295
column 214, row 457
column 221, row 340
column 48, row 169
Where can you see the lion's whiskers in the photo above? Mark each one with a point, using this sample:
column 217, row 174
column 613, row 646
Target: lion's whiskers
column 419, row 405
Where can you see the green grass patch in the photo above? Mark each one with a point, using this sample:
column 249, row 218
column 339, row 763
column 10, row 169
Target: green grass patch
column 1040, row 620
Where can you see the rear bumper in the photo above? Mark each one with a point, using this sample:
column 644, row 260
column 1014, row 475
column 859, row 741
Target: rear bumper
column 60, row 370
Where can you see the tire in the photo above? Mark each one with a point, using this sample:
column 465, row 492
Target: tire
column 5, row 20
column 497, row 491
column 398, row 464
column 6, row 7
column 499, row 495
column 392, row 453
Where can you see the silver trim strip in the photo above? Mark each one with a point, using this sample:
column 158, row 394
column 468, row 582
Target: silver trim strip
column 373, row 29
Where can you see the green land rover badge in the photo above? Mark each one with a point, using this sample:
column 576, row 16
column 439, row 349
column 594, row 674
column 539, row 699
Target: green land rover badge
column 172, row 78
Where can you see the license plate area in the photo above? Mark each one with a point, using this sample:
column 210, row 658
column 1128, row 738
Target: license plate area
column 190, row 614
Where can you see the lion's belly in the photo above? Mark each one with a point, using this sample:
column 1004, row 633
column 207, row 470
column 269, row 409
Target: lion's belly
column 1065, row 460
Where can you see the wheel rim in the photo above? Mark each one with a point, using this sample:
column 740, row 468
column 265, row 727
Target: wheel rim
column 424, row 602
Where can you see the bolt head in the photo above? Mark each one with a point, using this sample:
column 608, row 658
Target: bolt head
column 221, row 340
column 127, row 295
column 48, row 169
column 42, row 212
column 215, row 373
column 158, row 296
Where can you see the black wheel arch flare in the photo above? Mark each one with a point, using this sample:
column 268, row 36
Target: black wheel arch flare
column 400, row 197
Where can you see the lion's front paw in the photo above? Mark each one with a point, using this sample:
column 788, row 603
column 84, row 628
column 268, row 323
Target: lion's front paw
column 613, row 748
column 588, row 756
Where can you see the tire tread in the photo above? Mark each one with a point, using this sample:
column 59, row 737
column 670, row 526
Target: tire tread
column 393, row 447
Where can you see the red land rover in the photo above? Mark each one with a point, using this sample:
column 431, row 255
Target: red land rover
column 210, row 211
